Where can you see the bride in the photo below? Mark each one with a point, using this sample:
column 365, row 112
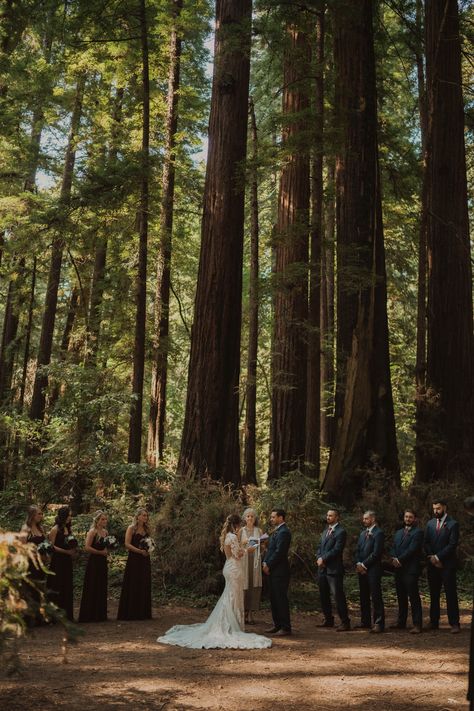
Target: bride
column 224, row 626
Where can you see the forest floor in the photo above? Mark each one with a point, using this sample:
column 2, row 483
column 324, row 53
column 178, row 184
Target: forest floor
column 119, row 666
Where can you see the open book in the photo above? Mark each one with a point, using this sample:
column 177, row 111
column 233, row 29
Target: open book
column 256, row 541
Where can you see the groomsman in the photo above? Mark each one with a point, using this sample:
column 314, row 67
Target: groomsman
column 369, row 568
column 441, row 541
column 277, row 567
column 331, row 572
column 406, row 560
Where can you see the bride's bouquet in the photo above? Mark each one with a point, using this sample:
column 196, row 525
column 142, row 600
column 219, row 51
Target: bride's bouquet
column 147, row 544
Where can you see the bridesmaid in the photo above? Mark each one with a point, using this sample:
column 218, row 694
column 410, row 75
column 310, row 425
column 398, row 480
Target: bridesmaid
column 94, row 593
column 32, row 531
column 61, row 562
column 135, row 598
column 252, row 565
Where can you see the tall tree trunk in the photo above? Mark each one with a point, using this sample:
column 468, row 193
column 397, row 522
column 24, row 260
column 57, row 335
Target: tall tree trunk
column 365, row 429
column 136, row 410
column 65, row 346
column 289, row 356
column 250, row 471
column 100, row 253
column 446, row 418
column 38, row 400
column 210, row 442
column 313, row 403
column 157, row 416
column 327, row 308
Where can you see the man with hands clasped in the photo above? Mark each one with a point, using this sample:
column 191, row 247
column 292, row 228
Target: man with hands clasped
column 369, row 568
column 277, row 567
column 331, row 572
column 406, row 561
column 441, row 541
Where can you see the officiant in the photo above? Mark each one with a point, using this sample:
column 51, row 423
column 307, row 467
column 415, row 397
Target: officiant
column 250, row 535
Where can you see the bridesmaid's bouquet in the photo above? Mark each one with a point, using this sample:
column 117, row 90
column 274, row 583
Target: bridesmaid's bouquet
column 109, row 542
column 147, row 544
column 71, row 541
column 45, row 549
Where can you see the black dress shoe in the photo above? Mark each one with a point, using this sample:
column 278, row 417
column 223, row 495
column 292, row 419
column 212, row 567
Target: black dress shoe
column 361, row 627
column 283, row 633
column 397, row 627
column 432, row 626
column 272, row 630
column 326, row 624
column 343, row 627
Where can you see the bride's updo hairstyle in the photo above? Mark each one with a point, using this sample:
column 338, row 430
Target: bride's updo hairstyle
column 231, row 522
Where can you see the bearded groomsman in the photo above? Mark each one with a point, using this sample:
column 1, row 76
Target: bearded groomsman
column 406, row 559
column 441, row 541
column 331, row 572
column 369, row 568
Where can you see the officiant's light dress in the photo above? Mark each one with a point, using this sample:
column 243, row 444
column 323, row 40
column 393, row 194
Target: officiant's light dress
column 223, row 628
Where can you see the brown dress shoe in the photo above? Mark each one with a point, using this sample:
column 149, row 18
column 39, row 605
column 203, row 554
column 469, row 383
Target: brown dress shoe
column 455, row 629
column 326, row 624
column 397, row 626
column 272, row 630
column 432, row 626
column 343, row 627
column 283, row 633
column 416, row 630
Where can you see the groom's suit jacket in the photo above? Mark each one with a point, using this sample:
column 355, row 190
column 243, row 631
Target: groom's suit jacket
column 276, row 556
column 330, row 549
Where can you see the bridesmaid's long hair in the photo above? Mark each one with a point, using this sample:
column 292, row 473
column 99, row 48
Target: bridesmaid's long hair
column 31, row 513
column 61, row 518
column 231, row 522
column 135, row 521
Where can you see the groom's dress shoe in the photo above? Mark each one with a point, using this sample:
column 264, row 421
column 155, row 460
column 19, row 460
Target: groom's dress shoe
column 283, row 633
column 272, row 630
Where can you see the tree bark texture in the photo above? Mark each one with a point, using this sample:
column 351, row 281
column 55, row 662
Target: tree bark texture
column 250, row 429
column 157, row 415
column 327, row 308
column 136, row 410
column 291, row 248
column 446, row 417
column 313, row 403
column 210, row 442
column 365, row 439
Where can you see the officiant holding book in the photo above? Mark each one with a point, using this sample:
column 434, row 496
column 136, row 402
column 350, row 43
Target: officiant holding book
column 250, row 535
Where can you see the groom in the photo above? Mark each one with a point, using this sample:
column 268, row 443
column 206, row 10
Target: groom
column 277, row 567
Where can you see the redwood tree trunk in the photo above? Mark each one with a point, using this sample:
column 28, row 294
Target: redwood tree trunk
column 313, row 404
column 365, row 429
column 136, row 410
column 250, row 471
column 289, row 357
column 210, row 443
column 38, row 400
column 327, row 309
column 446, row 418
column 157, row 416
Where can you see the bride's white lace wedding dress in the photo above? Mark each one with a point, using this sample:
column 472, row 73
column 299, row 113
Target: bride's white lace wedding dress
column 224, row 626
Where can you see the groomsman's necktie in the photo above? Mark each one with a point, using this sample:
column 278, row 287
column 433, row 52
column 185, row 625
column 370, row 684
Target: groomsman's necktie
column 328, row 532
column 367, row 533
column 438, row 525
column 406, row 532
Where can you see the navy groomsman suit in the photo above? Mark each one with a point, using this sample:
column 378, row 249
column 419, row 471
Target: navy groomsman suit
column 276, row 558
column 331, row 573
column 441, row 540
column 407, row 549
column 370, row 547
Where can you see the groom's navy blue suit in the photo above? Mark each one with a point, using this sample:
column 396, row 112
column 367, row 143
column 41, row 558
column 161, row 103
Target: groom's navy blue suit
column 331, row 575
column 276, row 559
column 369, row 552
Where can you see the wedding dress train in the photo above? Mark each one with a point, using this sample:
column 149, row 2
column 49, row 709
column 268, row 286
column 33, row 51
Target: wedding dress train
column 223, row 628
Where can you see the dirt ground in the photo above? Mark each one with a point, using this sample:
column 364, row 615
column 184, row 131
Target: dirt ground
column 119, row 666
